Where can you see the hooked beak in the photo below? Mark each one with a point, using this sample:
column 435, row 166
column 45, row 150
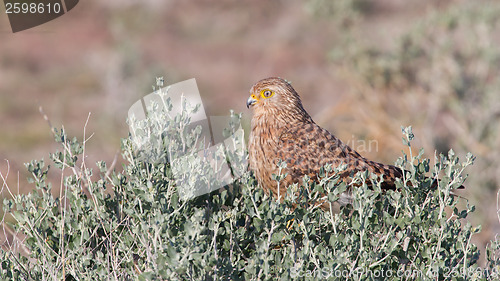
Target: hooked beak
column 251, row 101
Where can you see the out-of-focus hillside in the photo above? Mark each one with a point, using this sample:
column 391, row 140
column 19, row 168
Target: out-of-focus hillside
column 363, row 68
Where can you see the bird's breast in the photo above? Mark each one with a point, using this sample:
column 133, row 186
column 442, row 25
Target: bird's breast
column 262, row 148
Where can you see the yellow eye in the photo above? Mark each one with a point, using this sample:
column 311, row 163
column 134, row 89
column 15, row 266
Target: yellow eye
column 266, row 93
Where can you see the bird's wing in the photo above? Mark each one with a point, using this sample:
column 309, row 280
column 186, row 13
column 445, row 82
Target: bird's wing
column 307, row 147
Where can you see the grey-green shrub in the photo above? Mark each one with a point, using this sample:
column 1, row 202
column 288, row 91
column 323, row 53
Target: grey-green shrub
column 130, row 224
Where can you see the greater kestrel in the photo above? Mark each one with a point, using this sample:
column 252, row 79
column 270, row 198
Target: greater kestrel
column 282, row 130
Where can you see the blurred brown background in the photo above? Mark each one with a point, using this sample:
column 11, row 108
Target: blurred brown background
column 363, row 68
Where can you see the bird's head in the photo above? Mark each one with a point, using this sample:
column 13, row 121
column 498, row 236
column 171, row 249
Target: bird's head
column 273, row 95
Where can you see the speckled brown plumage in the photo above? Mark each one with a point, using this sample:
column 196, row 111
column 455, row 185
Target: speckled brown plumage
column 283, row 130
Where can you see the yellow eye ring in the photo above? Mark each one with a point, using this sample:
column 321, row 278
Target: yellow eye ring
column 266, row 93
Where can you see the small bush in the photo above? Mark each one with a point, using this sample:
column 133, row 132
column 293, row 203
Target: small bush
column 133, row 225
